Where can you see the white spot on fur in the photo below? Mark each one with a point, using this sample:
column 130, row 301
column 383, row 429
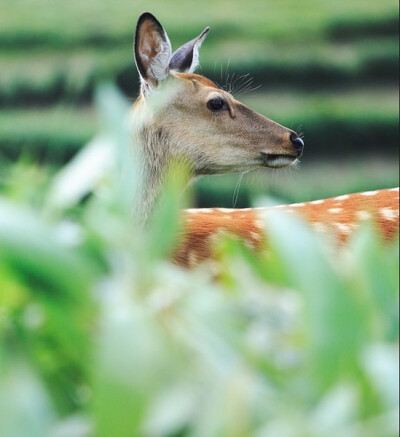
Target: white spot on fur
column 369, row 193
column 335, row 210
column 394, row 189
column 226, row 210
column 193, row 258
column 388, row 214
column 317, row 202
column 345, row 229
column 199, row 210
column 343, row 197
column 219, row 233
column 297, row 205
column 259, row 223
column 249, row 244
column 203, row 210
column 255, row 236
column 363, row 215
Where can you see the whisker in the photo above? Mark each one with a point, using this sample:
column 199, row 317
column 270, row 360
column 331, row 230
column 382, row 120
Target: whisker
column 236, row 190
column 237, row 84
column 249, row 89
column 245, row 84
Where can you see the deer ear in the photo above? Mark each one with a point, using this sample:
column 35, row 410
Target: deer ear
column 186, row 58
column 152, row 50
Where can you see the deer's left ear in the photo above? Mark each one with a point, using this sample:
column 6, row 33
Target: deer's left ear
column 152, row 50
column 186, row 58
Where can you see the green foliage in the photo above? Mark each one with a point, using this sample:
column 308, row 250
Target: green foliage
column 52, row 135
column 101, row 335
column 59, row 24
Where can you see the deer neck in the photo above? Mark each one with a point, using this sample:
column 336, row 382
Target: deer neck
column 154, row 150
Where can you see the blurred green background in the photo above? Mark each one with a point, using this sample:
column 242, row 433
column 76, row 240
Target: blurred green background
column 100, row 335
column 326, row 69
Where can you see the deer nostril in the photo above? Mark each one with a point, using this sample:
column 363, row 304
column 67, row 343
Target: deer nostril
column 298, row 144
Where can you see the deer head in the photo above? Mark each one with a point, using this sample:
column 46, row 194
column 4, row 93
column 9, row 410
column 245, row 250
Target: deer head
column 187, row 117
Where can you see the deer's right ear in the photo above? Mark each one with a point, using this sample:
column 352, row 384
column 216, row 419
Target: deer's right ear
column 152, row 51
column 186, row 58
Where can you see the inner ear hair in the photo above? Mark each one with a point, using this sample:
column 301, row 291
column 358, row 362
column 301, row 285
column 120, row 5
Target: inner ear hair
column 152, row 49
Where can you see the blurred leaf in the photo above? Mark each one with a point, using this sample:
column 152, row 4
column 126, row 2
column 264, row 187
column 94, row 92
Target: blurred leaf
column 83, row 174
column 25, row 409
column 165, row 224
column 371, row 256
column 132, row 364
column 334, row 313
column 117, row 122
column 31, row 245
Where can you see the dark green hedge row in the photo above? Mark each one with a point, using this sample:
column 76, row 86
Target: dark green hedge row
column 351, row 29
column 42, row 148
column 332, row 138
column 56, row 89
column 378, row 69
column 98, row 39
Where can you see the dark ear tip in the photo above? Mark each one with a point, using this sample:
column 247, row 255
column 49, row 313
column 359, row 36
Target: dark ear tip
column 146, row 16
column 203, row 34
column 150, row 17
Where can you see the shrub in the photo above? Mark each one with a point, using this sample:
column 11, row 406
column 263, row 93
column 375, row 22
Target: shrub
column 101, row 334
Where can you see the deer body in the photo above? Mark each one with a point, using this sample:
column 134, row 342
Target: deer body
column 336, row 217
column 184, row 117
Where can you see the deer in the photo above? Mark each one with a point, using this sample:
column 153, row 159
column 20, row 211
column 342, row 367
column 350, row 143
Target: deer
column 180, row 116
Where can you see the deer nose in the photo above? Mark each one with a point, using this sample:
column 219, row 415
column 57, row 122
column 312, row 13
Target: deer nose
column 298, row 144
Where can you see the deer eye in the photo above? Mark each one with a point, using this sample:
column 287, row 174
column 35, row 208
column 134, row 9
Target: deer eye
column 216, row 104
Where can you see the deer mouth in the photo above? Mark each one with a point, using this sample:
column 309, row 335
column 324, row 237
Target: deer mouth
column 277, row 161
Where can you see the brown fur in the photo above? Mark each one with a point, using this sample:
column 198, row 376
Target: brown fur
column 197, row 77
column 338, row 216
